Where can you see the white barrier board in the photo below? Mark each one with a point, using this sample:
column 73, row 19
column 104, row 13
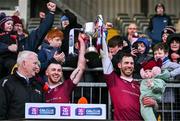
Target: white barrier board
column 64, row 111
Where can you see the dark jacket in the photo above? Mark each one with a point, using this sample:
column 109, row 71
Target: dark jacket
column 156, row 26
column 2, row 104
column 6, row 39
column 34, row 40
column 72, row 24
column 31, row 43
column 141, row 58
column 45, row 55
column 17, row 92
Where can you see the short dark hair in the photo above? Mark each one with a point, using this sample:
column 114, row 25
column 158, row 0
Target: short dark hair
column 122, row 55
column 53, row 61
column 115, row 41
column 161, row 46
column 159, row 5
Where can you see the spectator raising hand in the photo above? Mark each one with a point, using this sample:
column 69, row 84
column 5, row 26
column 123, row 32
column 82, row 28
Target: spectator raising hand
column 51, row 6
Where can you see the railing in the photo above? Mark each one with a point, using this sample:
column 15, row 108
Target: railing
column 97, row 93
column 166, row 112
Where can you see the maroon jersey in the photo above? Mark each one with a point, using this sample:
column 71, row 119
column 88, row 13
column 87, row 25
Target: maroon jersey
column 125, row 98
column 61, row 93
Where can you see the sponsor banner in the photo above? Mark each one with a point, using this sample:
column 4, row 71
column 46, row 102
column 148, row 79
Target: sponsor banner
column 65, row 111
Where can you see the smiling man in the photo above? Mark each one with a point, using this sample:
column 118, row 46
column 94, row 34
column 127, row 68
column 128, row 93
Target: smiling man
column 18, row 89
column 124, row 90
column 60, row 90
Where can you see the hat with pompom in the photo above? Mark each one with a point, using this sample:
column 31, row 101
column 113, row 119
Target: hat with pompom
column 3, row 19
column 150, row 64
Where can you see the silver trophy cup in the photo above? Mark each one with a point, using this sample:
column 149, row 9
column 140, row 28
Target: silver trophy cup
column 91, row 52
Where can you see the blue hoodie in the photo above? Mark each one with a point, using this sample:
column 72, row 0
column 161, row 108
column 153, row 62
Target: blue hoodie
column 146, row 43
column 141, row 58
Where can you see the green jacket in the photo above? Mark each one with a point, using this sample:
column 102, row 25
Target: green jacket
column 158, row 87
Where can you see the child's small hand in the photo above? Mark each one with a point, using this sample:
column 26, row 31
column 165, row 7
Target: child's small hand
column 60, row 57
column 175, row 56
column 134, row 51
column 149, row 83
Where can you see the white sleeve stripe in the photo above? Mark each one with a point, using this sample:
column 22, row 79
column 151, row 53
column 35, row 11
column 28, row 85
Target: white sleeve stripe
column 5, row 80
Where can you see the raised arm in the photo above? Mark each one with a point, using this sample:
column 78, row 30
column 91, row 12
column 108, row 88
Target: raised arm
column 106, row 61
column 37, row 35
column 78, row 72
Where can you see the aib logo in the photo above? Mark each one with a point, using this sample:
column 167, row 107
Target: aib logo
column 88, row 111
column 42, row 111
column 33, row 111
column 80, row 111
column 65, row 110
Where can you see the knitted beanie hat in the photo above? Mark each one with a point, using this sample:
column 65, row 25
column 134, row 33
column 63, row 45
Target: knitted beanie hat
column 150, row 64
column 3, row 19
column 16, row 20
column 169, row 30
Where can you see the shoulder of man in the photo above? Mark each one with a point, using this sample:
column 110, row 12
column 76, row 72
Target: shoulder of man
column 5, row 80
column 37, row 83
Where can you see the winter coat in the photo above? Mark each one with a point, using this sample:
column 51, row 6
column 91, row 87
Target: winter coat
column 45, row 55
column 7, row 39
column 34, row 40
column 17, row 92
column 156, row 26
column 141, row 58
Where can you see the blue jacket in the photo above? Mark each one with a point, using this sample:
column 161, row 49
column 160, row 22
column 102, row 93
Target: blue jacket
column 156, row 26
column 45, row 55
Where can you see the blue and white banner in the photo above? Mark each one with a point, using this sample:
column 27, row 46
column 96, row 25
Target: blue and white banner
column 64, row 111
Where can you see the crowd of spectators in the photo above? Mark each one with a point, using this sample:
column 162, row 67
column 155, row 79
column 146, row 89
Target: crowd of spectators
column 31, row 63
